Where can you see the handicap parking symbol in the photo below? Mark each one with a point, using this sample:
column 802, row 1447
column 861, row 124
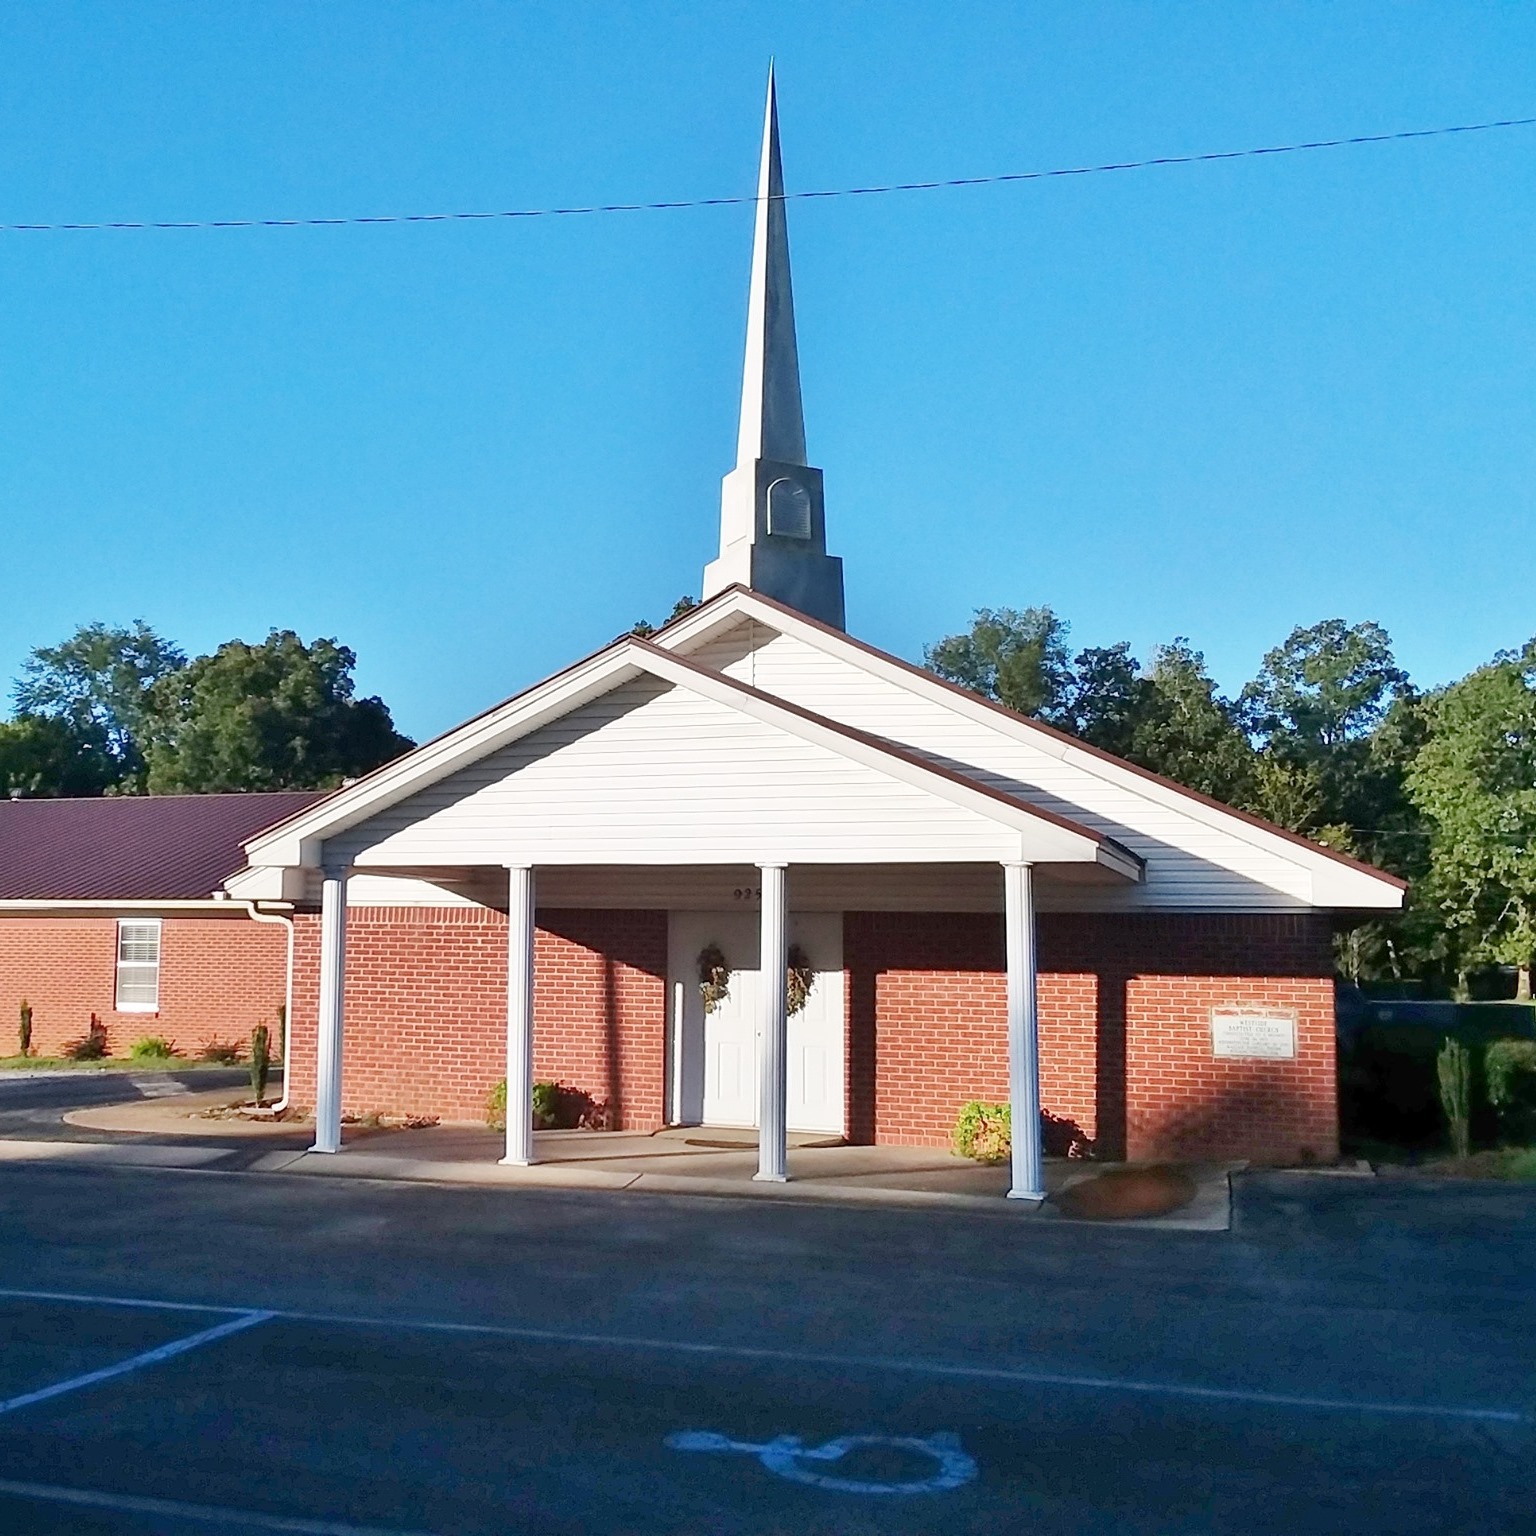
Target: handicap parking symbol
column 788, row 1456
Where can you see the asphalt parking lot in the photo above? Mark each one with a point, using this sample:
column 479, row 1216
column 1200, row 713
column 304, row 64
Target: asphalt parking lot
column 189, row 1352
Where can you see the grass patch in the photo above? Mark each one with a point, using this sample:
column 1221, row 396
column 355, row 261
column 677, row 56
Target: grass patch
column 103, row 1064
column 1514, row 1164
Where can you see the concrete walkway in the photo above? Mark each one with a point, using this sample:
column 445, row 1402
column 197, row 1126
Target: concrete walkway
column 693, row 1161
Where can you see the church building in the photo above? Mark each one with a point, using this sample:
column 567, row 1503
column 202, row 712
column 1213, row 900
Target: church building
column 749, row 871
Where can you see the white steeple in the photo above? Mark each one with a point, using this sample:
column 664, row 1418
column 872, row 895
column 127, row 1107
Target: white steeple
column 772, row 521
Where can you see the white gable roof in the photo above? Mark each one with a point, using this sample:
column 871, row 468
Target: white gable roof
column 1200, row 855
column 640, row 756
column 747, row 733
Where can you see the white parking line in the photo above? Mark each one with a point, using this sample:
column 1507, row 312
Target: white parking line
column 137, row 1362
column 904, row 1365
column 208, row 1514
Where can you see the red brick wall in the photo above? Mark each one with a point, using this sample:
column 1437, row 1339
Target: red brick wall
column 219, row 977
column 1125, row 1002
column 426, row 1009
column 1124, row 1030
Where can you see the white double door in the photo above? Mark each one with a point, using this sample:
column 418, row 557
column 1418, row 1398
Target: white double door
column 715, row 1052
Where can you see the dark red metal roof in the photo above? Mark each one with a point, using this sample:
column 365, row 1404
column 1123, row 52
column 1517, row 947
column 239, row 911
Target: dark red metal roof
column 133, row 847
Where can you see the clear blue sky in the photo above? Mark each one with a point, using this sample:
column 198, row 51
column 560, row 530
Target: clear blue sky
column 1215, row 401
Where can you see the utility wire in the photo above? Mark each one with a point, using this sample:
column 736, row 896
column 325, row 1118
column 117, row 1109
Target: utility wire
column 788, row 197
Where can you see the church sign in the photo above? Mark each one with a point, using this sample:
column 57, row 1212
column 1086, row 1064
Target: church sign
column 1264, row 1034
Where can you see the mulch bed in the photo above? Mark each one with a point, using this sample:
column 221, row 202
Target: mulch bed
column 1123, row 1194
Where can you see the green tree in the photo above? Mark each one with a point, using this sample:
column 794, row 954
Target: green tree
column 42, row 755
column 1335, row 717
column 1017, row 657
column 1474, row 778
column 1326, row 685
column 643, row 629
column 1188, row 732
column 279, row 715
column 1110, row 699
column 99, row 680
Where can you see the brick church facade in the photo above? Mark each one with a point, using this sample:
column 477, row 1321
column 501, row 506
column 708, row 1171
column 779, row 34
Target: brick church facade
column 749, row 871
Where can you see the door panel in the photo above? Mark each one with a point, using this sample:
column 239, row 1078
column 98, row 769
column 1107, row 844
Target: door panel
column 714, row 1078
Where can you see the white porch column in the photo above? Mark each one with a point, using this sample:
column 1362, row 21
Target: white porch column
column 1023, row 1033
column 333, row 965
column 519, row 1015
column 773, row 1028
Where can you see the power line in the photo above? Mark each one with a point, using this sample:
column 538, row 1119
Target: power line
column 1211, row 157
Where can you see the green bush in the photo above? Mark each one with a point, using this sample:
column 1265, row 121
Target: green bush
column 546, row 1106
column 496, row 1107
column 91, row 1046
column 1454, row 1066
column 556, row 1107
column 151, row 1048
column 984, row 1132
column 1509, row 1068
column 24, row 1029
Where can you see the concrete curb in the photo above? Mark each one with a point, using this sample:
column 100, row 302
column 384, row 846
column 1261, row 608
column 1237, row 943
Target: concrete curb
column 1211, row 1210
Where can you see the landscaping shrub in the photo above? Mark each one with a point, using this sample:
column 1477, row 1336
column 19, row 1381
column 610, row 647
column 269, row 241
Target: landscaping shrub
column 984, row 1132
column 556, row 1107
column 496, row 1107
column 24, row 1029
column 1454, row 1066
column 1509, row 1069
column 225, row 1053
column 91, row 1046
column 152, row 1048
column 261, row 1062
column 1389, row 1087
column 546, row 1106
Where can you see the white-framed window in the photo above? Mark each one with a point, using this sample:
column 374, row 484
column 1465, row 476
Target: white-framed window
column 138, row 965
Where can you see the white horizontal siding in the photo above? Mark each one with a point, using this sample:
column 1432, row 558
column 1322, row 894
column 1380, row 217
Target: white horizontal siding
column 652, row 774
column 369, row 890
column 1190, row 864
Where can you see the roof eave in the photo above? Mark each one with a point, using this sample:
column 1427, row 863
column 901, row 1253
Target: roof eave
column 729, row 604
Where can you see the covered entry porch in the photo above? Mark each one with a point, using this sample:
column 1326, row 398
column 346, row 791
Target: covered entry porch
column 749, row 911
column 663, row 772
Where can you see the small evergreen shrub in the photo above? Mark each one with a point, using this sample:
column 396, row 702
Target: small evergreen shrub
column 1509, row 1068
column 261, row 1062
column 1454, row 1067
column 152, row 1048
column 91, row 1046
column 984, row 1132
column 24, row 1028
column 556, row 1107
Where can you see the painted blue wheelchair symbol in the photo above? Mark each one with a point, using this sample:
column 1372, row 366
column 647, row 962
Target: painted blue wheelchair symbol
column 787, row 1456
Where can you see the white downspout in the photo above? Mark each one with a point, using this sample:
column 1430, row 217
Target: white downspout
column 287, row 922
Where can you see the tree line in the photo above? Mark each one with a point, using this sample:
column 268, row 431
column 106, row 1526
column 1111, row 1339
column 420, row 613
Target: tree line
column 1332, row 740
column 123, row 711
